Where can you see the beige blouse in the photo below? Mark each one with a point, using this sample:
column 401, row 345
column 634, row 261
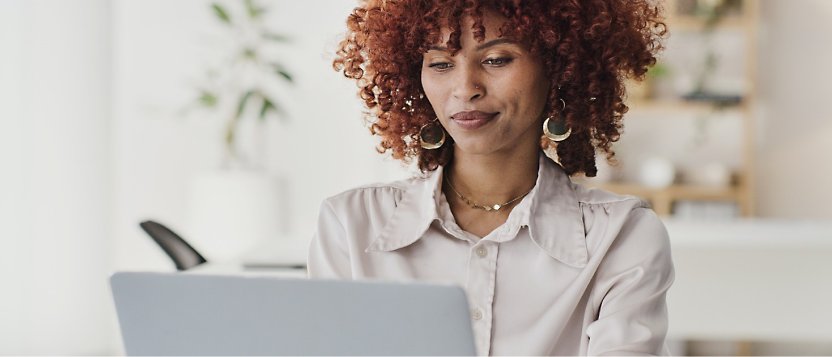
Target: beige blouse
column 573, row 271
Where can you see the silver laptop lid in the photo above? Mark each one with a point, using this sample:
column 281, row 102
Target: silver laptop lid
column 190, row 314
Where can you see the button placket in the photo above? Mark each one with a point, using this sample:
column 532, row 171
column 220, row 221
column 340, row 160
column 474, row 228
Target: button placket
column 481, row 275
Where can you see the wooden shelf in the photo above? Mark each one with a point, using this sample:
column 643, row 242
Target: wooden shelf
column 662, row 199
column 746, row 23
column 679, row 105
column 695, row 23
column 677, row 191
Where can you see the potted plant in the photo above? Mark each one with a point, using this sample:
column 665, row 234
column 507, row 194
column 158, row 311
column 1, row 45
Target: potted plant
column 236, row 208
column 240, row 87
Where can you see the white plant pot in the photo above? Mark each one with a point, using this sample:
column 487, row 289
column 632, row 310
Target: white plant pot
column 231, row 212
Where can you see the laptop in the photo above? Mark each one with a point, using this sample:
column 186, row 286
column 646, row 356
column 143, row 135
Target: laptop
column 193, row 314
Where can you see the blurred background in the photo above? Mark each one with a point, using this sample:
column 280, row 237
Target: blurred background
column 225, row 121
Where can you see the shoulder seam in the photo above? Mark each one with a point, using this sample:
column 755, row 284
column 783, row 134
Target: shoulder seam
column 369, row 187
column 623, row 198
column 613, row 197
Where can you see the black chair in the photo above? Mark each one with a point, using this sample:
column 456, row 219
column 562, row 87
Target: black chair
column 182, row 254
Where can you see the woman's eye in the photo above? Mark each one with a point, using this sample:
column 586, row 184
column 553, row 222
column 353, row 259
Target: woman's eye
column 499, row 61
column 440, row 66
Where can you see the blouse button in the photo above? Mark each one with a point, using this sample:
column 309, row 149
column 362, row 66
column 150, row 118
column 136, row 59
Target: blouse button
column 476, row 314
column 482, row 252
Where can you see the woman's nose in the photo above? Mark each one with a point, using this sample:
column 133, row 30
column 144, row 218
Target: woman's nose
column 468, row 86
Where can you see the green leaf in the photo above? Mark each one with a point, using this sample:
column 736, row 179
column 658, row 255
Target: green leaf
column 221, row 13
column 208, row 99
column 241, row 106
column 658, row 70
column 229, row 137
column 267, row 106
column 252, row 9
column 281, row 71
column 249, row 53
column 276, row 37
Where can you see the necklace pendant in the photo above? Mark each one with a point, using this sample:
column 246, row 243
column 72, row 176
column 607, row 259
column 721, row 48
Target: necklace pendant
column 496, row 207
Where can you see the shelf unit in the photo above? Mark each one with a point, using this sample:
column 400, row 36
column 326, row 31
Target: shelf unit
column 662, row 199
column 741, row 190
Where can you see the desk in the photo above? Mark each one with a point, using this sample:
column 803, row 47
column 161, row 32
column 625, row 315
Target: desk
column 747, row 280
column 751, row 280
column 249, row 270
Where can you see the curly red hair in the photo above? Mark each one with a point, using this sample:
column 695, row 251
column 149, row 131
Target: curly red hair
column 588, row 48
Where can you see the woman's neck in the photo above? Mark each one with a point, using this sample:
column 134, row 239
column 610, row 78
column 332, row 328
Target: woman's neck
column 494, row 178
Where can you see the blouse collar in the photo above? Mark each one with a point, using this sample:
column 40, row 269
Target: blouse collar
column 552, row 211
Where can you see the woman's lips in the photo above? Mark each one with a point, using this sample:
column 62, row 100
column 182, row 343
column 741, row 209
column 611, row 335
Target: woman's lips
column 473, row 119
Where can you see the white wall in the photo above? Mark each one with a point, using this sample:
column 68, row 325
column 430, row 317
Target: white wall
column 92, row 140
column 793, row 165
column 54, row 210
column 14, row 252
column 160, row 47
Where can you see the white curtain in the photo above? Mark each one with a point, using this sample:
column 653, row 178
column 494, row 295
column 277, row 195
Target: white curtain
column 55, row 190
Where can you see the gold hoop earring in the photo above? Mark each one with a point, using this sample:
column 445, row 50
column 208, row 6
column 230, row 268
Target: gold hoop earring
column 432, row 135
column 555, row 129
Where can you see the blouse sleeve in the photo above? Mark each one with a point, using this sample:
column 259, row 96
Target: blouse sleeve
column 636, row 273
column 328, row 252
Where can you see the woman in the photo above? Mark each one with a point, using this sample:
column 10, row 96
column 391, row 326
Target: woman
column 478, row 92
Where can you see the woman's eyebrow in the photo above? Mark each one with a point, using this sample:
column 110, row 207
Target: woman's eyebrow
column 495, row 42
column 481, row 47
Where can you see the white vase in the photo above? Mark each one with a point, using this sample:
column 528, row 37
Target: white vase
column 657, row 172
column 230, row 212
column 712, row 174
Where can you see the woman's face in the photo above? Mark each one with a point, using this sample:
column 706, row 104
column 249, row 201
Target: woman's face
column 490, row 96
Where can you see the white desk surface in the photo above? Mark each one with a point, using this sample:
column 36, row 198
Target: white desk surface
column 240, row 269
column 751, row 280
column 750, row 233
column 739, row 280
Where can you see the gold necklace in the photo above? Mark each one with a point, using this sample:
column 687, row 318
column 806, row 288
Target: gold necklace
column 489, row 208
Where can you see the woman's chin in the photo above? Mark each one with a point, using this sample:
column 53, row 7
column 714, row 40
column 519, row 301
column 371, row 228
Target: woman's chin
column 475, row 147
